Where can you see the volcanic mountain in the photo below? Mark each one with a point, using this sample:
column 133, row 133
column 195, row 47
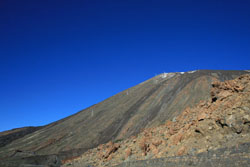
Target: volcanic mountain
column 213, row 132
column 147, row 105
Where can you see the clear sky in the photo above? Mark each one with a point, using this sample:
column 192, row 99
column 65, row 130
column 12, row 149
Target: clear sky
column 60, row 56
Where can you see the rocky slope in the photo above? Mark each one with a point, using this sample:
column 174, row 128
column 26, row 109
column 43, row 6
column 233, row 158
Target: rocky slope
column 121, row 116
column 221, row 122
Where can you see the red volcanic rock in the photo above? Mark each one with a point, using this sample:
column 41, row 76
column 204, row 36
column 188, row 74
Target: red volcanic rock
column 144, row 146
column 128, row 153
column 168, row 123
column 181, row 151
column 177, row 138
column 202, row 116
column 154, row 149
column 111, row 149
column 157, row 142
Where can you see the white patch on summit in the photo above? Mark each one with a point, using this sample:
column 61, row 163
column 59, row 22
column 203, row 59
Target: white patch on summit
column 190, row 72
column 167, row 75
column 182, row 72
column 247, row 70
column 164, row 75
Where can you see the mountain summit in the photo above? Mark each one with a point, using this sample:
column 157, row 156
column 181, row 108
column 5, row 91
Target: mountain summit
column 147, row 105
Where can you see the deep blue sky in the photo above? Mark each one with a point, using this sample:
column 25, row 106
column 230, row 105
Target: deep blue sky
column 58, row 57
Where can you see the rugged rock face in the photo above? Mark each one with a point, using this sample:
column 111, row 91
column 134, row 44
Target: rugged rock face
column 146, row 105
column 221, row 122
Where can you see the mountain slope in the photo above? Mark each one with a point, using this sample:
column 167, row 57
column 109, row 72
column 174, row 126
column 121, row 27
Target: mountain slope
column 148, row 104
